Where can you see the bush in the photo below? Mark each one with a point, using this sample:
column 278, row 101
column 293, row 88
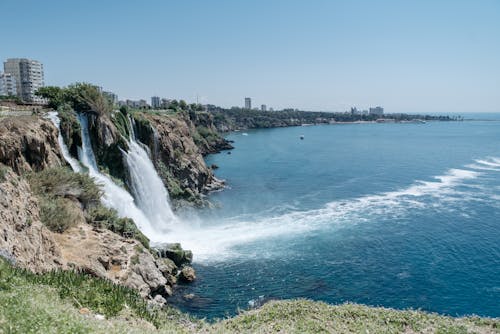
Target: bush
column 102, row 217
column 61, row 182
column 56, row 188
column 57, row 213
column 3, row 172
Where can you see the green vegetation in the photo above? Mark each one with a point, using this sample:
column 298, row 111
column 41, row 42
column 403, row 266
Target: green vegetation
column 303, row 316
column 81, row 97
column 58, row 214
column 45, row 303
column 50, row 303
column 62, row 182
column 10, row 98
column 3, row 172
column 70, row 128
column 237, row 118
column 57, row 189
column 120, row 120
column 102, row 217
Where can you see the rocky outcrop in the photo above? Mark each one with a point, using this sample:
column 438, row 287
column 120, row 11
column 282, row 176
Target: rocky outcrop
column 28, row 144
column 206, row 134
column 23, row 238
column 107, row 143
column 105, row 254
column 177, row 158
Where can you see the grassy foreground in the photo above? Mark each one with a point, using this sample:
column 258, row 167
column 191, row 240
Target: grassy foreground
column 59, row 302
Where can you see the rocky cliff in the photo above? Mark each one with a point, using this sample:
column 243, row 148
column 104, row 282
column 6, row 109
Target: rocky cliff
column 23, row 238
column 29, row 143
column 171, row 139
column 29, row 148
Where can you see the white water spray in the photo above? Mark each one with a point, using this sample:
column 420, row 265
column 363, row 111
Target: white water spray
column 75, row 165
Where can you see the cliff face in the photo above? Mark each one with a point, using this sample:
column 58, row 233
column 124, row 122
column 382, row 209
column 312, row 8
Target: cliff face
column 23, row 238
column 205, row 133
column 106, row 143
column 176, row 156
column 29, row 144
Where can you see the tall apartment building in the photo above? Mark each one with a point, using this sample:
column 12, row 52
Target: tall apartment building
column 8, row 85
column 155, row 102
column 263, row 107
column 248, row 103
column 379, row 111
column 28, row 75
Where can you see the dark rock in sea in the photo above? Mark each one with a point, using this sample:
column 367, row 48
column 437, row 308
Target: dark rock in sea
column 174, row 252
column 187, row 274
column 214, row 166
column 228, row 152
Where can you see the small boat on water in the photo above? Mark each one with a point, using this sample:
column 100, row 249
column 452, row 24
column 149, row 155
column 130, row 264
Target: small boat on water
column 301, row 137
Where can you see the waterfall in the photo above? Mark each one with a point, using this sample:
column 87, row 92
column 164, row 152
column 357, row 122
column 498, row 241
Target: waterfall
column 114, row 196
column 146, row 185
column 75, row 165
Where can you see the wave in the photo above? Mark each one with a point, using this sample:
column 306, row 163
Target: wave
column 211, row 241
column 488, row 164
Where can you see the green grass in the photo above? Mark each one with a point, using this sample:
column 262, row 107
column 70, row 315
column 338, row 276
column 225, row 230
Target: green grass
column 49, row 303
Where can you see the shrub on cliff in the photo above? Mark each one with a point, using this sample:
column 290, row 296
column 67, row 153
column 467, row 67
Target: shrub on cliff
column 57, row 213
column 59, row 191
column 61, row 182
column 102, row 217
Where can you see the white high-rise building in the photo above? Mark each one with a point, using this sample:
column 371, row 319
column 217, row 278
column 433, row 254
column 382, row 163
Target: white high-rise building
column 8, row 85
column 28, row 75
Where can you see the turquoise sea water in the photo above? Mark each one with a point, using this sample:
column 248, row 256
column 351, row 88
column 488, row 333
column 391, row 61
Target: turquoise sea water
column 395, row 215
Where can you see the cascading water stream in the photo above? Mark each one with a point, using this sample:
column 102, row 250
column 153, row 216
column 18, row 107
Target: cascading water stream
column 75, row 165
column 114, row 196
column 146, row 185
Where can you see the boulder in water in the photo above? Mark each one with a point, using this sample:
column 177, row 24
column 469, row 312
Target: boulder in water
column 174, row 252
column 188, row 274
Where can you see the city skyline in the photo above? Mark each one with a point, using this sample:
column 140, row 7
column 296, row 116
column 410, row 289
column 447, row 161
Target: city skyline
column 327, row 55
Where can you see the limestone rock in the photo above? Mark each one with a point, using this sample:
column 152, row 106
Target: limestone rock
column 23, row 238
column 188, row 274
column 29, row 144
column 174, row 252
column 177, row 158
column 166, row 266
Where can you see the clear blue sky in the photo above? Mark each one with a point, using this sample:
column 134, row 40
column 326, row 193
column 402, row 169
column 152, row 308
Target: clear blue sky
column 408, row 56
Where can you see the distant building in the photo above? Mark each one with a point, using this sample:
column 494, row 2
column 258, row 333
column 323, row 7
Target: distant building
column 271, row 109
column 248, row 103
column 8, row 85
column 263, row 107
column 112, row 97
column 165, row 103
column 155, row 102
column 355, row 111
column 378, row 111
column 28, row 74
column 137, row 104
column 143, row 104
